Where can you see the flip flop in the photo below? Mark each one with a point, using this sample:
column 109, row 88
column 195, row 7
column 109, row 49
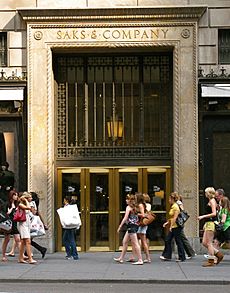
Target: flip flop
column 4, row 259
column 32, row 262
column 23, row 261
column 10, row 255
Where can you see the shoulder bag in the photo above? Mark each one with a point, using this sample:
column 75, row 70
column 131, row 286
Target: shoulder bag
column 182, row 218
column 20, row 215
column 148, row 218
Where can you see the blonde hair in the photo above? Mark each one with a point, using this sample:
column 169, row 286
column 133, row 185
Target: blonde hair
column 210, row 192
column 146, row 197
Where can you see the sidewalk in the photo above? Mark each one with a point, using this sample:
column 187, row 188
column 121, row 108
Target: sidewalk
column 100, row 267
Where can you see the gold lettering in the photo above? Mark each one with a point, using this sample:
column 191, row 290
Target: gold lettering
column 164, row 32
column 116, row 34
column 126, row 35
column 66, row 36
column 94, row 34
column 144, row 35
column 83, row 34
column 154, row 34
column 59, row 35
column 105, row 36
column 75, row 34
column 136, row 34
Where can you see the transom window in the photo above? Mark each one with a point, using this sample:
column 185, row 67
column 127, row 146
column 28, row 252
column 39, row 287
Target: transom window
column 114, row 101
column 224, row 46
column 3, row 49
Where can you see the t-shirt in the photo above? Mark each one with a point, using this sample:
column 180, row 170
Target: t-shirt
column 174, row 208
column 227, row 222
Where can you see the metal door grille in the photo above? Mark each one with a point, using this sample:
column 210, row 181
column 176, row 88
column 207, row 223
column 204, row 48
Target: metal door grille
column 137, row 90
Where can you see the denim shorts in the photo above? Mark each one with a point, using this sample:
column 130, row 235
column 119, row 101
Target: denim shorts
column 142, row 229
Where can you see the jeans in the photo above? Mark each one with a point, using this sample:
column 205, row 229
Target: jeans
column 175, row 233
column 187, row 246
column 70, row 243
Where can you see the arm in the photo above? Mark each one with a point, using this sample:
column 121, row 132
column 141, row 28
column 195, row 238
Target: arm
column 25, row 205
column 141, row 213
column 213, row 214
column 125, row 218
column 223, row 216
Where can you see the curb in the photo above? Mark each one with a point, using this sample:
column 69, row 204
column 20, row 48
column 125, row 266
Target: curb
column 119, row 281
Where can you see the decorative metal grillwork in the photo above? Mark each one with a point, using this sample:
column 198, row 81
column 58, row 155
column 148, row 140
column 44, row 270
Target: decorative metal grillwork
column 137, row 90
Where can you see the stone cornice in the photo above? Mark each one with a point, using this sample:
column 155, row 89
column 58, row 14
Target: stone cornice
column 129, row 13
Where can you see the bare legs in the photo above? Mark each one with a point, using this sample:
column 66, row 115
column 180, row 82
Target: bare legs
column 145, row 245
column 25, row 244
column 135, row 246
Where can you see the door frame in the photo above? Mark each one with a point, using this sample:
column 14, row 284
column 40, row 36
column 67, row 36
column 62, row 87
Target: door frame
column 114, row 201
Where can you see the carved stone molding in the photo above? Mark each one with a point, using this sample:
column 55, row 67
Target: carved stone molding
column 108, row 14
column 49, row 45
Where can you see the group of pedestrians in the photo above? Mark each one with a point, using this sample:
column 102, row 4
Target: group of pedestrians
column 217, row 212
column 137, row 206
column 21, row 232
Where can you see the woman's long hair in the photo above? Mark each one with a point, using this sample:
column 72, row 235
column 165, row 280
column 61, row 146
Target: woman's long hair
column 10, row 198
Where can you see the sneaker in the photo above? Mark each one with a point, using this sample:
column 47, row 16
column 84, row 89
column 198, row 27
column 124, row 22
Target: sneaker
column 68, row 257
column 164, row 258
column 140, row 262
column 75, row 257
column 188, row 257
column 206, row 255
column 179, row 260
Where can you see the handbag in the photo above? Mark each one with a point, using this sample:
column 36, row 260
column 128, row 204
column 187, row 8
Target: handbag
column 6, row 226
column 36, row 227
column 148, row 218
column 182, row 218
column 69, row 217
column 20, row 215
column 219, row 226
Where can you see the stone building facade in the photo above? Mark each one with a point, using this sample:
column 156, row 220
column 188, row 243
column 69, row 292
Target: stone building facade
column 178, row 42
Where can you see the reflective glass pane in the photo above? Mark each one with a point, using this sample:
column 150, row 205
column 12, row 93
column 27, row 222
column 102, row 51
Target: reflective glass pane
column 71, row 186
column 156, row 191
column 99, row 209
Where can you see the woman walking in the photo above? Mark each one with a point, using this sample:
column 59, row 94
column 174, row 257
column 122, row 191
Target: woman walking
column 174, row 231
column 24, row 229
column 209, row 228
column 11, row 208
column 132, row 220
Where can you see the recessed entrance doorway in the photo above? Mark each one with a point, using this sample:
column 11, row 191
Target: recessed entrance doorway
column 100, row 194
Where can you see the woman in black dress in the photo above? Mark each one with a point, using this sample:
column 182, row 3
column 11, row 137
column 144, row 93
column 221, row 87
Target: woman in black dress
column 11, row 208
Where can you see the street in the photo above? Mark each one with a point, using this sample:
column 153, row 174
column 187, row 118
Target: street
column 109, row 288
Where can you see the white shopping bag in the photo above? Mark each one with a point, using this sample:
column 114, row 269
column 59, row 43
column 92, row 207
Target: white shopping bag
column 36, row 227
column 69, row 217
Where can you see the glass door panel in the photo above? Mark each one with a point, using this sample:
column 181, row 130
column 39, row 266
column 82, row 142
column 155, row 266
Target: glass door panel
column 69, row 185
column 128, row 184
column 99, row 209
column 158, row 190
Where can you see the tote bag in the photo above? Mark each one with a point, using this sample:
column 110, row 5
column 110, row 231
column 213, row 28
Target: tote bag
column 69, row 217
column 36, row 227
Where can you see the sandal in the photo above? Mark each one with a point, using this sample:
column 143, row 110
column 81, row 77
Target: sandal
column 118, row 260
column 147, row 261
column 32, row 262
column 10, row 255
column 4, row 259
column 130, row 260
column 23, row 261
